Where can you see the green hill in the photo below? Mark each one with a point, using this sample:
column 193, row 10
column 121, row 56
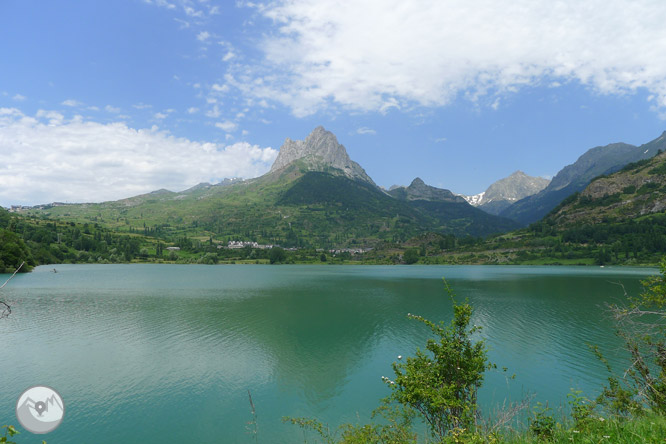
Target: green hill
column 638, row 190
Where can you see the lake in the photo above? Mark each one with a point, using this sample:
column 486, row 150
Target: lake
column 161, row 353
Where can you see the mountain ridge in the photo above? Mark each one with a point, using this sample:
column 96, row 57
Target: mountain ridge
column 574, row 177
column 638, row 189
column 419, row 190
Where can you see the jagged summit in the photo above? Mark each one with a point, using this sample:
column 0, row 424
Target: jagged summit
column 320, row 151
column 419, row 190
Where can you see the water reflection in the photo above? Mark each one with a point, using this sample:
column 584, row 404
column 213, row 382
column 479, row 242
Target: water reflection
column 170, row 351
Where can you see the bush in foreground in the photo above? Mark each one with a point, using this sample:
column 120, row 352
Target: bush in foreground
column 439, row 387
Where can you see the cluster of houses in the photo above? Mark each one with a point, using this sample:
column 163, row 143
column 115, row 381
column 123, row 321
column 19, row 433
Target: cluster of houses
column 350, row 250
column 240, row 244
column 19, row 208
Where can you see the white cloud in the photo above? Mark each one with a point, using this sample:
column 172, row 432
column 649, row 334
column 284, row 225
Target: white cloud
column 227, row 126
column 190, row 11
column 220, row 88
column 161, row 3
column 365, row 130
column 214, row 113
column 71, row 102
column 141, row 105
column 228, row 56
column 192, row 110
column 183, row 23
column 372, row 55
column 112, row 109
column 54, row 117
column 47, row 158
column 19, row 97
column 160, row 116
column 203, row 36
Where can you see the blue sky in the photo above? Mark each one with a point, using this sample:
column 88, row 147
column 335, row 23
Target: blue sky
column 105, row 100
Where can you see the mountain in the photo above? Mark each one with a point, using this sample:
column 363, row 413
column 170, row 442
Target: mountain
column 418, row 190
column 505, row 192
column 320, row 151
column 451, row 210
column 575, row 177
column 313, row 196
column 638, row 189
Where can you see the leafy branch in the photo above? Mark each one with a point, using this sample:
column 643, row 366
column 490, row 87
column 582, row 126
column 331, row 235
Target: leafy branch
column 5, row 308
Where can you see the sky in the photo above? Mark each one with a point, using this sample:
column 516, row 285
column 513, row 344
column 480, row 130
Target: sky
column 106, row 100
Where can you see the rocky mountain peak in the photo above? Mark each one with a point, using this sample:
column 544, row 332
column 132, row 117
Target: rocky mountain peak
column 419, row 190
column 417, row 182
column 515, row 187
column 503, row 193
column 320, row 151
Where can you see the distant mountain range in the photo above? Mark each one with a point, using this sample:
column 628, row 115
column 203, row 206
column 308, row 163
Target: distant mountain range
column 601, row 209
column 314, row 195
column 575, row 177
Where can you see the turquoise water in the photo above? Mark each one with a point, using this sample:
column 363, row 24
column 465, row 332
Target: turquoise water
column 158, row 353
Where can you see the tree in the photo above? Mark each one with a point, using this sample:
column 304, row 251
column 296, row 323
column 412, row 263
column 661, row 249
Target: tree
column 642, row 326
column 5, row 308
column 277, row 255
column 12, row 250
column 411, row 256
column 442, row 383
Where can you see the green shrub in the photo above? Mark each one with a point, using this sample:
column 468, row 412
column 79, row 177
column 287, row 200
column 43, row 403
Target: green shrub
column 411, row 256
column 277, row 255
column 542, row 424
column 441, row 384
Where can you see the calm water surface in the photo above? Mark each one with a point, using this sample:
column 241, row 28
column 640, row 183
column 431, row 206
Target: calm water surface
column 157, row 353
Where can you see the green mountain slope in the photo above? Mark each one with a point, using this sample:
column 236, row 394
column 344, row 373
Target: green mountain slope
column 295, row 208
column 461, row 219
column 638, row 190
column 364, row 209
column 575, row 177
